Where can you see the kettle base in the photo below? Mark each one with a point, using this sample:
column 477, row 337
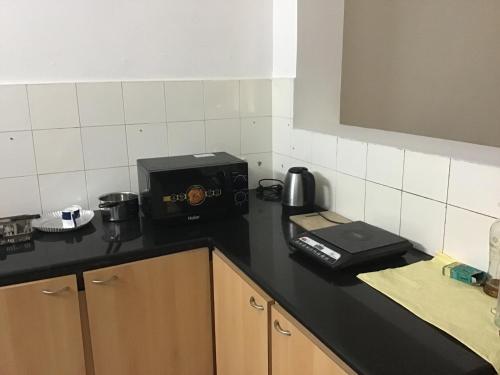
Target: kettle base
column 294, row 210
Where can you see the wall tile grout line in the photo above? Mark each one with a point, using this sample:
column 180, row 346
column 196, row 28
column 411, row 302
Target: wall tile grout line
column 166, row 124
column 126, row 141
column 382, row 184
column 83, row 170
column 19, row 131
column 126, row 134
column 61, row 128
column 99, row 126
column 18, row 176
column 282, row 117
column 204, row 112
column 448, row 183
column 402, row 187
column 446, row 207
column 81, row 142
column 365, row 179
column 34, row 150
column 472, row 211
column 336, row 164
column 444, row 227
column 239, row 113
column 165, row 100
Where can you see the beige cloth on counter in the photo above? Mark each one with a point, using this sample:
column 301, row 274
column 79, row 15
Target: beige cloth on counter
column 461, row 310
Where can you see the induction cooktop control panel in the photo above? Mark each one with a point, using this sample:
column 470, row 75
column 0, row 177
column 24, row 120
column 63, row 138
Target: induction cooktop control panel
column 316, row 249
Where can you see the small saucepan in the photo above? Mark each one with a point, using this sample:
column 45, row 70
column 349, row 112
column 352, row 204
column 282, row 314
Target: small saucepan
column 119, row 206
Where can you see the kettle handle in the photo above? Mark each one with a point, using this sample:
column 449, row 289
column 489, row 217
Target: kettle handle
column 309, row 188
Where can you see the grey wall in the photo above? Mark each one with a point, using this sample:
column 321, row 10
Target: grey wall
column 429, row 68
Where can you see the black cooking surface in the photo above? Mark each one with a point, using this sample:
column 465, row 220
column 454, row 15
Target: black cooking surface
column 357, row 237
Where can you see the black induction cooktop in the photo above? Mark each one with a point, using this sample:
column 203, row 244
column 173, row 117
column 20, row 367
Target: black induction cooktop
column 350, row 244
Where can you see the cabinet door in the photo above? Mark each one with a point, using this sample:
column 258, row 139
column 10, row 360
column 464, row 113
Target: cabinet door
column 152, row 316
column 241, row 322
column 295, row 352
column 40, row 330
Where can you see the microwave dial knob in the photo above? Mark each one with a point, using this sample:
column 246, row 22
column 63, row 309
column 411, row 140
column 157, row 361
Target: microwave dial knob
column 240, row 197
column 240, row 181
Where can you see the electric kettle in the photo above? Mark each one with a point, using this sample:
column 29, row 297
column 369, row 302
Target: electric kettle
column 298, row 192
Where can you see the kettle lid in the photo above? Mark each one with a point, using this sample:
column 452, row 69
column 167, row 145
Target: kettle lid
column 297, row 170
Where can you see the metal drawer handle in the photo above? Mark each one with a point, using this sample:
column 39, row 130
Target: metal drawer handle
column 278, row 328
column 55, row 292
column 106, row 281
column 255, row 305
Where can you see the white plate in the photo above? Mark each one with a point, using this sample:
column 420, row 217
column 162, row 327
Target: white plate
column 52, row 221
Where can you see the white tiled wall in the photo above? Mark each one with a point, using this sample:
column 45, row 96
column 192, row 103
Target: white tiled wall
column 383, row 206
column 351, row 157
column 437, row 202
column 426, row 175
column 63, row 144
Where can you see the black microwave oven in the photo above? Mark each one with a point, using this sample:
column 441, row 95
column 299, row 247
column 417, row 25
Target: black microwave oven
column 193, row 187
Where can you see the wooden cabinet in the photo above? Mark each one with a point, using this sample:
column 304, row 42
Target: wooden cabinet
column 255, row 337
column 152, row 316
column 241, row 313
column 155, row 317
column 296, row 352
column 40, row 330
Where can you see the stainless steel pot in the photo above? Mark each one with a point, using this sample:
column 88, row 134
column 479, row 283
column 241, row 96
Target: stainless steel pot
column 119, row 206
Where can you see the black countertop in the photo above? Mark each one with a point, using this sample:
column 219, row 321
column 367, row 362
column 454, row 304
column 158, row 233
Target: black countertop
column 370, row 332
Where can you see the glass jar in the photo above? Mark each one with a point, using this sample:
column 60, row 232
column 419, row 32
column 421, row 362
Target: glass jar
column 493, row 280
